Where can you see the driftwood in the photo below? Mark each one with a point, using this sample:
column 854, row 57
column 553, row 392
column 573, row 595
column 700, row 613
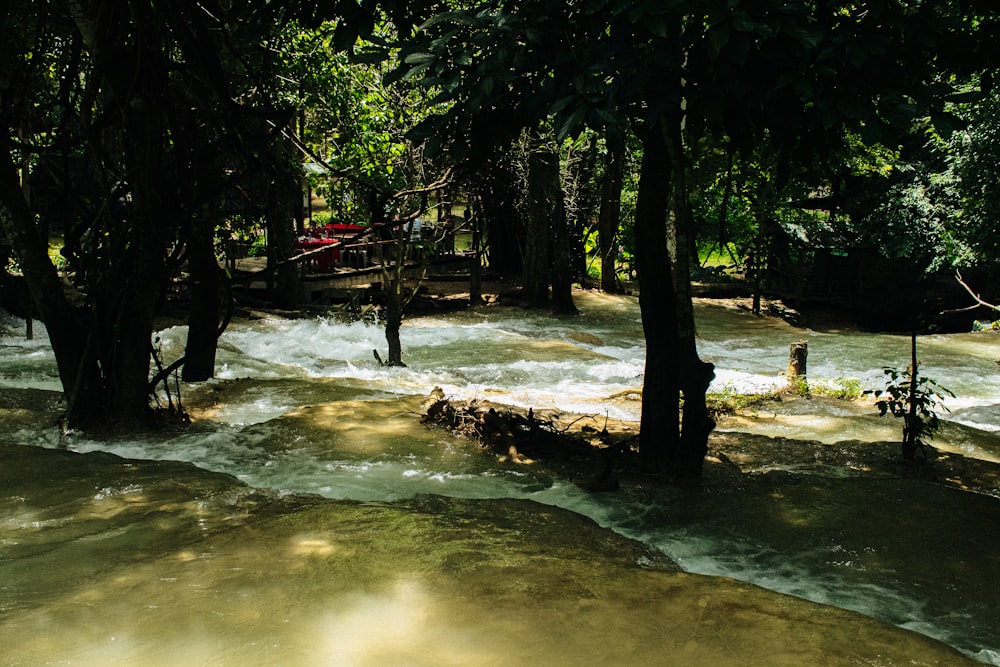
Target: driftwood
column 523, row 437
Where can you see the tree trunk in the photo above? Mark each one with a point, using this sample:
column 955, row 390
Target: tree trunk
column 660, row 420
column 610, row 211
column 695, row 374
column 151, row 222
column 396, row 297
column 206, row 304
column 764, row 208
column 393, row 321
column 499, row 217
column 580, row 174
column 798, row 354
column 535, row 279
column 70, row 332
column 911, row 431
column 563, row 243
column 130, row 298
column 124, row 336
column 281, row 244
column 476, row 270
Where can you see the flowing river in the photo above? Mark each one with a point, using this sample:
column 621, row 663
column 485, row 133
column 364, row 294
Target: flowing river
column 438, row 553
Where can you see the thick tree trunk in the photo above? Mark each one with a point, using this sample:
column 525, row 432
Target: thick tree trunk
column 562, row 246
column 499, row 216
column 549, row 247
column 584, row 198
column 206, row 304
column 660, row 421
column 695, row 374
column 281, row 244
column 126, row 327
column 393, row 321
column 610, row 211
column 537, row 260
column 150, row 225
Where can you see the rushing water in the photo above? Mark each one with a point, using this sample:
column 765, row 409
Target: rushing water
column 301, row 407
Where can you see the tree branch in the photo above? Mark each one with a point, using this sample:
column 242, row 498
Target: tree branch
column 979, row 301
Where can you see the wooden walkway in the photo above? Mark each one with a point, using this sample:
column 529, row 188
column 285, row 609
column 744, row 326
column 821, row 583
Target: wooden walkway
column 338, row 283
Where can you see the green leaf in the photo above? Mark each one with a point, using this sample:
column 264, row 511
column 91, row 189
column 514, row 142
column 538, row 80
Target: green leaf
column 419, row 58
column 718, row 37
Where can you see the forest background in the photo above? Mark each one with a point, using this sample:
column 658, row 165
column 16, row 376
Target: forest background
column 782, row 136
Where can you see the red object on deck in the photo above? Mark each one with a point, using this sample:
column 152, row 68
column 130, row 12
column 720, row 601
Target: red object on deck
column 344, row 229
column 332, row 235
column 324, row 260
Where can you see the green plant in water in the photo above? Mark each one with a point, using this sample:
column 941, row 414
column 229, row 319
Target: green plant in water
column 799, row 386
column 914, row 399
column 841, row 388
column 729, row 401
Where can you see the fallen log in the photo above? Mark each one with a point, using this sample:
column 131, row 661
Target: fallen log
column 524, row 437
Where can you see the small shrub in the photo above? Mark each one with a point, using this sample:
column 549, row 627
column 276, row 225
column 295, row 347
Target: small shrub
column 915, row 402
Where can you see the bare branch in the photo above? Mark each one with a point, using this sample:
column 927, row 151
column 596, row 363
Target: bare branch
column 443, row 182
column 978, row 299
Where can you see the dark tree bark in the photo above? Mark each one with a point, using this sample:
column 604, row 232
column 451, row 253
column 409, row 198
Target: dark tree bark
column 695, row 374
column 499, row 216
column 563, row 243
column 584, row 196
column 476, row 270
column 537, row 260
column 610, row 211
column 548, row 256
column 206, row 305
column 660, row 421
column 112, row 369
column 393, row 322
column 397, row 295
column 281, row 244
column 137, row 77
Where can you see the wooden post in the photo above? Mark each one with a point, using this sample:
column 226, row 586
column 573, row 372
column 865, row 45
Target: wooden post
column 797, row 354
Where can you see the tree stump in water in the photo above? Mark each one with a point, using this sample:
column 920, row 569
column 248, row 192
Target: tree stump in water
column 797, row 354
